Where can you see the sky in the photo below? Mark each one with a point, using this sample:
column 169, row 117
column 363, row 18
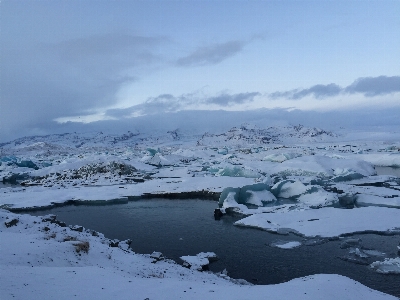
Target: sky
column 102, row 62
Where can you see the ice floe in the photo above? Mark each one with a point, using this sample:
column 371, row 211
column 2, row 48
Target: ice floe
column 327, row 221
column 285, row 244
column 199, row 261
column 325, row 166
column 388, row 266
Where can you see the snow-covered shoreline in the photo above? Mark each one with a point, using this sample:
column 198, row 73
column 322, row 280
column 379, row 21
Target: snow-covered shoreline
column 41, row 258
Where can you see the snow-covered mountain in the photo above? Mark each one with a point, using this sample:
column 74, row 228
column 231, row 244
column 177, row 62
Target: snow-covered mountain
column 252, row 135
column 244, row 135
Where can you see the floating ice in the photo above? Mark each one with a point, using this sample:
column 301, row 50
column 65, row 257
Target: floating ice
column 280, row 157
column 310, row 195
column 199, row 261
column 318, row 197
column 222, row 151
column 258, row 198
column 358, row 252
column 348, row 243
column 382, row 159
column 157, row 160
column 285, row 244
column 256, row 194
column 288, row 189
column 372, row 200
column 373, row 252
column 323, row 166
column 157, row 255
column 345, row 175
column 231, row 193
column 9, row 158
column 388, row 266
column 27, row 164
column 236, row 171
column 230, row 202
column 327, row 221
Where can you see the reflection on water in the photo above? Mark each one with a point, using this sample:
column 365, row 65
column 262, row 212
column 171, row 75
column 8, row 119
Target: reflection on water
column 187, row 227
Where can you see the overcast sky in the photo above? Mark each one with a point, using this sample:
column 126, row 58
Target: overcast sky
column 87, row 61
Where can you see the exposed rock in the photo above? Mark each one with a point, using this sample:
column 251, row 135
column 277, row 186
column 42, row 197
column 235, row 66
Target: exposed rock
column 13, row 222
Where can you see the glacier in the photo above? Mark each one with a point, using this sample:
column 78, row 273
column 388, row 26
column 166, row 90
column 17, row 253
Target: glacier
column 286, row 180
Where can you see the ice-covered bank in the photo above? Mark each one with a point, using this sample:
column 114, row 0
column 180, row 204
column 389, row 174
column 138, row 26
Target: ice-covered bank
column 327, row 221
column 41, row 258
column 38, row 196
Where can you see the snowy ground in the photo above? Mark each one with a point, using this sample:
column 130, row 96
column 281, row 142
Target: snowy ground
column 285, row 179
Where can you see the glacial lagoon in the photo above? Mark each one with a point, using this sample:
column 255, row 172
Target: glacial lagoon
column 187, row 227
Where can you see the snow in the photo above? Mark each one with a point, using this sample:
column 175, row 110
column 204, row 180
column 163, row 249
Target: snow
column 327, row 221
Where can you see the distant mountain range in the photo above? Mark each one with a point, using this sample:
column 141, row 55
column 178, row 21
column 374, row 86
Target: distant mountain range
column 245, row 135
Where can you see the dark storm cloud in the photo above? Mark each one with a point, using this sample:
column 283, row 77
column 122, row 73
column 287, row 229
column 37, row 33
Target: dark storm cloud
column 72, row 77
column 369, row 86
column 211, row 55
column 374, row 86
column 319, row 91
column 226, row 99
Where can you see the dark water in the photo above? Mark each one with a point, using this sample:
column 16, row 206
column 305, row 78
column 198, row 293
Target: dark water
column 187, row 227
column 387, row 171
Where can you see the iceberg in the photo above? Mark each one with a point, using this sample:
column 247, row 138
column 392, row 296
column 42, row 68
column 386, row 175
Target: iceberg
column 27, row 164
column 280, row 157
column 319, row 198
column 230, row 203
column 258, row 198
column 255, row 194
column 345, row 175
column 289, row 189
column 200, row 261
column 373, row 200
column 324, row 166
column 234, row 171
column 388, row 266
column 382, row 159
column 285, row 244
column 229, row 192
column 222, row 151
